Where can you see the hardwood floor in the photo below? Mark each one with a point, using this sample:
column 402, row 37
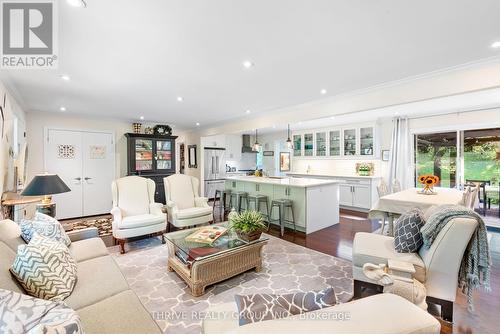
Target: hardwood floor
column 337, row 241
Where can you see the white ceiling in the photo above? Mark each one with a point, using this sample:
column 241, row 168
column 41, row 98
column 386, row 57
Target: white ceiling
column 129, row 58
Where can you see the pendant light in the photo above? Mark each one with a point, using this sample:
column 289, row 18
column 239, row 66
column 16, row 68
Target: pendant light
column 256, row 145
column 289, row 143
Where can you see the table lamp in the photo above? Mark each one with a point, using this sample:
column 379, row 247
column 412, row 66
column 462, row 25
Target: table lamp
column 46, row 185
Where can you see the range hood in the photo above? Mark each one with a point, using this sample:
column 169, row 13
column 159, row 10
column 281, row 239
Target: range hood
column 247, row 145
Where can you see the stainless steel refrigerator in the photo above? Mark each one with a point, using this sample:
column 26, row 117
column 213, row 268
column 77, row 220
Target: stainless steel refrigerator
column 215, row 170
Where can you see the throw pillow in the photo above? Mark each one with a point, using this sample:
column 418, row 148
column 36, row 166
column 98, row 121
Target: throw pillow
column 45, row 226
column 407, row 236
column 45, row 268
column 21, row 314
column 261, row 307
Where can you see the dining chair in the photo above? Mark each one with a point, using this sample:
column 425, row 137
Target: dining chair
column 396, row 186
column 483, row 198
column 470, row 195
column 382, row 190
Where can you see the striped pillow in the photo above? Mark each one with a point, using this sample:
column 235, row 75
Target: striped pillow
column 45, row 268
column 45, row 226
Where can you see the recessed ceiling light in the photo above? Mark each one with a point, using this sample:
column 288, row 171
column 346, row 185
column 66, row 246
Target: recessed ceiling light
column 332, row 117
column 197, row 124
column 142, row 118
column 274, row 126
column 248, row 111
column 180, row 98
column 247, row 64
column 62, row 108
column 323, row 91
column 496, row 45
column 65, row 77
column 396, row 113
column 77, row 3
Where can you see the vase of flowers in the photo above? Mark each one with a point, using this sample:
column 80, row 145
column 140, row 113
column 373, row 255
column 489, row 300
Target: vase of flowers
column 248, row 225
column 428, row 181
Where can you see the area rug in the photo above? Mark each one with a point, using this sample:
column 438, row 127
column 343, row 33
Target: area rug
column 104, row 225
column 287, row 267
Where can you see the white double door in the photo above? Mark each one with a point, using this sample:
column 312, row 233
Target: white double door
column 85, row 161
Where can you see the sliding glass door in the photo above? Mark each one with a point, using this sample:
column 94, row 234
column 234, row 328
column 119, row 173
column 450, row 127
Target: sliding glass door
column 436, row 154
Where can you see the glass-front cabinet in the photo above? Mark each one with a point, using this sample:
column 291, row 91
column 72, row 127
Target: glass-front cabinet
column 335, row 143
column 297, row 145
column 143, row 152
column 350, row 142
column 163, row 155
column 153, row 157
column 321, row 144
column 366, row 141
column 308, row 145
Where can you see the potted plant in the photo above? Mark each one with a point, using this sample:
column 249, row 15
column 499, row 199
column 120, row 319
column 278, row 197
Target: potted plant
column 248, row 225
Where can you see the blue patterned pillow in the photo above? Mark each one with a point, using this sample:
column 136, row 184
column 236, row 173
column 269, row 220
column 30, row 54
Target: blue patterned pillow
column 407, row 236
column 45, row 226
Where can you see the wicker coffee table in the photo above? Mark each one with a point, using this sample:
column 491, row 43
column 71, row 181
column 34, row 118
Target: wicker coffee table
column 201, row 265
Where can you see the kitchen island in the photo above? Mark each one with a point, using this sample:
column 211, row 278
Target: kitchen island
column 315, row 201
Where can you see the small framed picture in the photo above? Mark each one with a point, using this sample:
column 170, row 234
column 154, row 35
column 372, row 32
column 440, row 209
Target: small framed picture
column 385, row 155
column 268, row 153
column 284, row 161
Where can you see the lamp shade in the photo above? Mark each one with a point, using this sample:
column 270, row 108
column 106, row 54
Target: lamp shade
column 45, row 184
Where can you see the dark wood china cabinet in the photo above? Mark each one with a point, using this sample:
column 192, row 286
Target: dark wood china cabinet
column 151, row 156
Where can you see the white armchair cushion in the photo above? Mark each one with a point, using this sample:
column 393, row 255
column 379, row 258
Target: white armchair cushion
column 377, row 249
column 141, row 221
column 181, row 191
column 194, row 212
column 132, row 195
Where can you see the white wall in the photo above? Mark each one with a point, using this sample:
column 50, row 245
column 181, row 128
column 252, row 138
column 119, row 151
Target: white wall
column 14, row 128
column 37, row 122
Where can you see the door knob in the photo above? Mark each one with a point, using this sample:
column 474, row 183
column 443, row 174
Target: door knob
column 77, row 179
column 87, row 178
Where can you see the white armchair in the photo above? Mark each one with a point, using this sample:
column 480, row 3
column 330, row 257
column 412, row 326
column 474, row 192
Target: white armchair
column 184, row 206
column 134, row 211
column 437, row 267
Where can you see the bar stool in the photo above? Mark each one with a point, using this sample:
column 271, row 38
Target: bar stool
column 222, row 196
column 239, row 196
column 258, row 200
column 282, row 205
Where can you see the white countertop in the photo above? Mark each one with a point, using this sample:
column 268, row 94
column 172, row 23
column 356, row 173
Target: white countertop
column 286, row 181
column 332, row 175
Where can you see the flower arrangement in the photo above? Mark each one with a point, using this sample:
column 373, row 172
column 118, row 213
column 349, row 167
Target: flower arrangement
column 428, row 181
column 248, row 225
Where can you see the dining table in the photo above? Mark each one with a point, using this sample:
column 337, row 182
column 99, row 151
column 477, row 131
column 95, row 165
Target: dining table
column 391, row 206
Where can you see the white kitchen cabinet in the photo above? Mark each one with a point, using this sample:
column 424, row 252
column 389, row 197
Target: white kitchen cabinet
column 233, row 147
column 345, row 195
column 357, row 193
column 350, row 141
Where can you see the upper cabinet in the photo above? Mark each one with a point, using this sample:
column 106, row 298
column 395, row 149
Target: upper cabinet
column 349, row 141
column 366, row 141
column 150, row 154
column 297, row 145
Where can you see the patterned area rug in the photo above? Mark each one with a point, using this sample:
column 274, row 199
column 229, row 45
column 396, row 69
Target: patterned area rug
column 104, row 225
column 287, row 268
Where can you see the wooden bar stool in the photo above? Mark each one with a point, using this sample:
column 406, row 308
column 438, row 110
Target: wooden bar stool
column 282, row 205
column 237, row 198
column 258, row 200
column 222, row 196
